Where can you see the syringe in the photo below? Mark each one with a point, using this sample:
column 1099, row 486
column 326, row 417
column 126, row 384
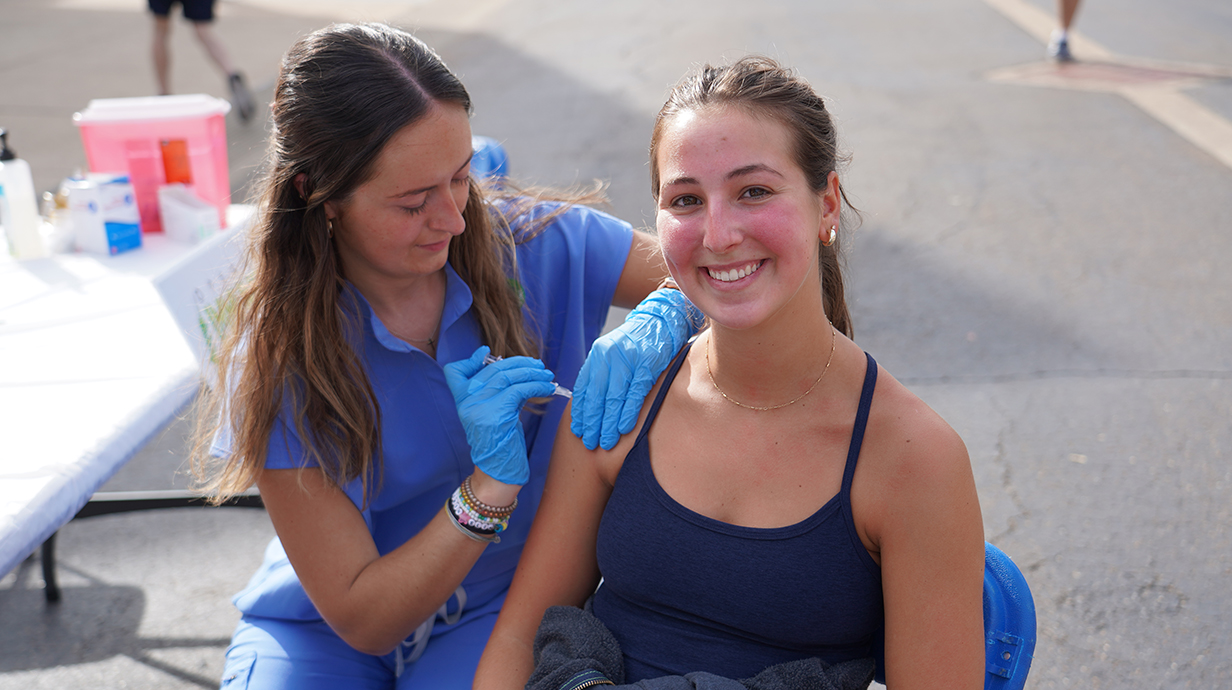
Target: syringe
column 560, row 390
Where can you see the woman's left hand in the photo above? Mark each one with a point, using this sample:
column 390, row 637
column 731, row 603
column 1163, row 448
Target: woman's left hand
column 624, row 364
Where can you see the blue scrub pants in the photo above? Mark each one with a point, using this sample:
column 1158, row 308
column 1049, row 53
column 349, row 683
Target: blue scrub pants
column 275, row 654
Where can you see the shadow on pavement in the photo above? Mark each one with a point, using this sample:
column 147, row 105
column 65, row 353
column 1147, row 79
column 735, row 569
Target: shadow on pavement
column 102, row 622
column 907, row 294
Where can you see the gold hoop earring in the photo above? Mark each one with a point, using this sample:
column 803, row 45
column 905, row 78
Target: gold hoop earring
column 329, row 228
column 833, row 236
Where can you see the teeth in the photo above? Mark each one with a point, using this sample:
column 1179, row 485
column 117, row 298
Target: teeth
column 737, row 274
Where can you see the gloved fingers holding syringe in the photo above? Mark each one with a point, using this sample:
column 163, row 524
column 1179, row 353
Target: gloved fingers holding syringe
column 490, row 394
column 560, row 390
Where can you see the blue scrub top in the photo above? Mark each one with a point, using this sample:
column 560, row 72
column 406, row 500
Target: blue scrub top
column 568, row 273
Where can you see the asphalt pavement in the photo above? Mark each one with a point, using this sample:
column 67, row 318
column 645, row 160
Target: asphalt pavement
column 1038, row 258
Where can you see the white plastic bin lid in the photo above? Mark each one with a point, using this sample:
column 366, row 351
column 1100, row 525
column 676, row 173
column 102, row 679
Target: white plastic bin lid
column 189, row 106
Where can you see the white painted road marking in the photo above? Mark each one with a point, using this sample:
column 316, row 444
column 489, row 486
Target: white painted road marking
column 1155, row 87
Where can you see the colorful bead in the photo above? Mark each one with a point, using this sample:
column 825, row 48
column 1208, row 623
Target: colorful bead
column 467, row 516
column 484, row 509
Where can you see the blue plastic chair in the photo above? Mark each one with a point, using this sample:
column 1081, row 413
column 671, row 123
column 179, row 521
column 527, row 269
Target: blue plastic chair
column 1009, row 625
column 1009, row 622
column 488, row 159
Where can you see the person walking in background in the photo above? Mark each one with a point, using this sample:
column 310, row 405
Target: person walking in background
column 201, row 14
column 1058, row 45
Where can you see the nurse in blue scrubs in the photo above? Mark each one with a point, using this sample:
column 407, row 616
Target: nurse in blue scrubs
column 400, row 465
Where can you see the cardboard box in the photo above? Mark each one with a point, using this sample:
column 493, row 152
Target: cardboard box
column 185, row 216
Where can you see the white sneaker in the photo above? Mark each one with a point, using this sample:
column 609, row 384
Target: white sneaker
column 1058, row 48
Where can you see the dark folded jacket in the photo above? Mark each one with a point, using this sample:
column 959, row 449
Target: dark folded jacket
column 573, row 649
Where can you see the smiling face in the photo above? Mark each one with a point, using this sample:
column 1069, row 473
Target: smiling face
column 738, row 223
column 398, row 224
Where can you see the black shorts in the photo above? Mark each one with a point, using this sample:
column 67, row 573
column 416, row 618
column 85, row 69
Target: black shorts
column 194, row 10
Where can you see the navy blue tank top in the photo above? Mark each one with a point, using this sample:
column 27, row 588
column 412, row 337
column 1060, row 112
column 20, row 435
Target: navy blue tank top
column 683, row 592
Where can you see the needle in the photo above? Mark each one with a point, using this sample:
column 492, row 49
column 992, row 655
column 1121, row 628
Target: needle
column 560, row 390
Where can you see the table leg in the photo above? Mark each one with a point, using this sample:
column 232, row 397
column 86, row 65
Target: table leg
column 51, row 589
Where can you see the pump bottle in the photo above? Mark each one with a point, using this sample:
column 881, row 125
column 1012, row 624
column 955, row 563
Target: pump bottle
column 18, row 205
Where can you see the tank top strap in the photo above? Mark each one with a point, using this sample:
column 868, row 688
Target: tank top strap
column 857, row 431
column 667, row 383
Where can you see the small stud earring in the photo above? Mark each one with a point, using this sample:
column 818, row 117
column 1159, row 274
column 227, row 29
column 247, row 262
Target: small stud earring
column 833, row 236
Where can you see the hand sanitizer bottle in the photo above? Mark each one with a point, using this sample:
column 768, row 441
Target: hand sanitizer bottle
column 18, row 205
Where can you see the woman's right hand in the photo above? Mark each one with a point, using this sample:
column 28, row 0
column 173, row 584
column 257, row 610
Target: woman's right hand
column 490, row 398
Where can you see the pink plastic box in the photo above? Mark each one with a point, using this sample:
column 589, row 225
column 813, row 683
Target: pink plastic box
column 136, row 136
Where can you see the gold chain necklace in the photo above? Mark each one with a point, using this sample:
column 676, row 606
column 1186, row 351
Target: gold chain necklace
column 833, row 339
column 431, row 341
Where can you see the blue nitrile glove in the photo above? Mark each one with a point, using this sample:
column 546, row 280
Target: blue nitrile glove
column 490, row 398
column 624, row 363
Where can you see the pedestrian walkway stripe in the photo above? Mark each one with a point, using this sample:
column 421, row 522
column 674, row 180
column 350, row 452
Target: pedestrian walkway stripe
column 1162, row 99
column 1201, row 126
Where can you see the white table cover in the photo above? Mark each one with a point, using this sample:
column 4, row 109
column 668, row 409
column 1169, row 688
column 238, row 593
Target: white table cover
column 92, row 364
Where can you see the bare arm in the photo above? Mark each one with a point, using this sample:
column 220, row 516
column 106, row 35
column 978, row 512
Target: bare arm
column 373, row 602
column 931, row 543
column 558, row 566
column 644, row 270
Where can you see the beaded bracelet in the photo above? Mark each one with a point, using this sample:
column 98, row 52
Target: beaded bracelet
column 484, row 509
column 467, row 516
column 490, row 537
column 473, row 520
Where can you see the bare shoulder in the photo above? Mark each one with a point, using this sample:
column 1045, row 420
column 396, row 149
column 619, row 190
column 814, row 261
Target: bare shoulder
column 606, row 463
column 609, row 462
column 908, row 435
column 913, row 464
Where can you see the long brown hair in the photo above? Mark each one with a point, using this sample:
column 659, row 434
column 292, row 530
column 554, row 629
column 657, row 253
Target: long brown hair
column 342, row 93
column 764, row 88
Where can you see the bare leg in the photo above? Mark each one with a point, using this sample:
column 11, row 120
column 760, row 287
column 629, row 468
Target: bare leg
column 1065, row 12
column 162, row 54
column 1058, row 45
column 241, row 97
column 213, row 46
